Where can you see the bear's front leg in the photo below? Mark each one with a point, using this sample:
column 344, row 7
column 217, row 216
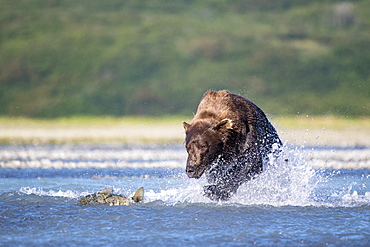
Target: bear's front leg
column 219, row 192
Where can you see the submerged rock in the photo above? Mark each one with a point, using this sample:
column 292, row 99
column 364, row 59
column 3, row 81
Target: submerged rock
column 106, row 196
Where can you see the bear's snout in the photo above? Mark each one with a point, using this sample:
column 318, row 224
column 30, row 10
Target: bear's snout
column 190, row 171
column 194, row 171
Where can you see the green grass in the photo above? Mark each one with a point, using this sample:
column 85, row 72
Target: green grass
column 167, row 130
column 320, row 122
column 122, row 58
column 329, row 122
column 91, row 121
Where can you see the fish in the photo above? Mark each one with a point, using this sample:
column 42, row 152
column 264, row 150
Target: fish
column 106, row 196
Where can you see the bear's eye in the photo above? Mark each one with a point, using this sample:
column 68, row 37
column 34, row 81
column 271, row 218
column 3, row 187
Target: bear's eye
column 203, row 147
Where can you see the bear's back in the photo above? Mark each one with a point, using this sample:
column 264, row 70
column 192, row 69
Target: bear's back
column 223, row 104
column 248, row 119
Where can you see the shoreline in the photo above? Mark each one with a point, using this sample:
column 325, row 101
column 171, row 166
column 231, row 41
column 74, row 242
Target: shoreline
column 105, row 156
column 350, row 139
column 41, row 158
column 19, row 133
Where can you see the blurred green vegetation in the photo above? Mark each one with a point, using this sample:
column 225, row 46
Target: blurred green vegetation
column 157, row 57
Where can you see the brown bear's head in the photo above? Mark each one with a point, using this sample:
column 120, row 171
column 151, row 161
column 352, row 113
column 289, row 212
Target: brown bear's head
column 205, row 141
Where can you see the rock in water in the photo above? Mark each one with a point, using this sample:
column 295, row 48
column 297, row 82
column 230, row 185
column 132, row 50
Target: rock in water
column 106, row 196
column 138, row 196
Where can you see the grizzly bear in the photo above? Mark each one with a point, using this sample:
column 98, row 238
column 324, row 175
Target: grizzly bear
column 228, row 140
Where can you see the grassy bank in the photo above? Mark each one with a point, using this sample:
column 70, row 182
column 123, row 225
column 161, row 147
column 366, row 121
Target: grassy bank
column 324, row 130
column 92, row 121
column 298, row 130
column 128, row 130
column 65, row 58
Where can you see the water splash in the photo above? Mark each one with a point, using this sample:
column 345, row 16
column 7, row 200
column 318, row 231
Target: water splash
column 190, row 192
column 288, row 180
column 41, row 192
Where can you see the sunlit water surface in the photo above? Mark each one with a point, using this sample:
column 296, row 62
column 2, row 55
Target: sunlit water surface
column 290, row 204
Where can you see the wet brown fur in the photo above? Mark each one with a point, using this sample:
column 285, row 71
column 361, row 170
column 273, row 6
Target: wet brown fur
column 229, row 138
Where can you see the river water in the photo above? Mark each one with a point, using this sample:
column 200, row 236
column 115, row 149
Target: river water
column 290, row 204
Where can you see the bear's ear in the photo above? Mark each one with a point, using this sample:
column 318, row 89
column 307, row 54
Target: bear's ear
column 224, row 123
column 186, row 125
